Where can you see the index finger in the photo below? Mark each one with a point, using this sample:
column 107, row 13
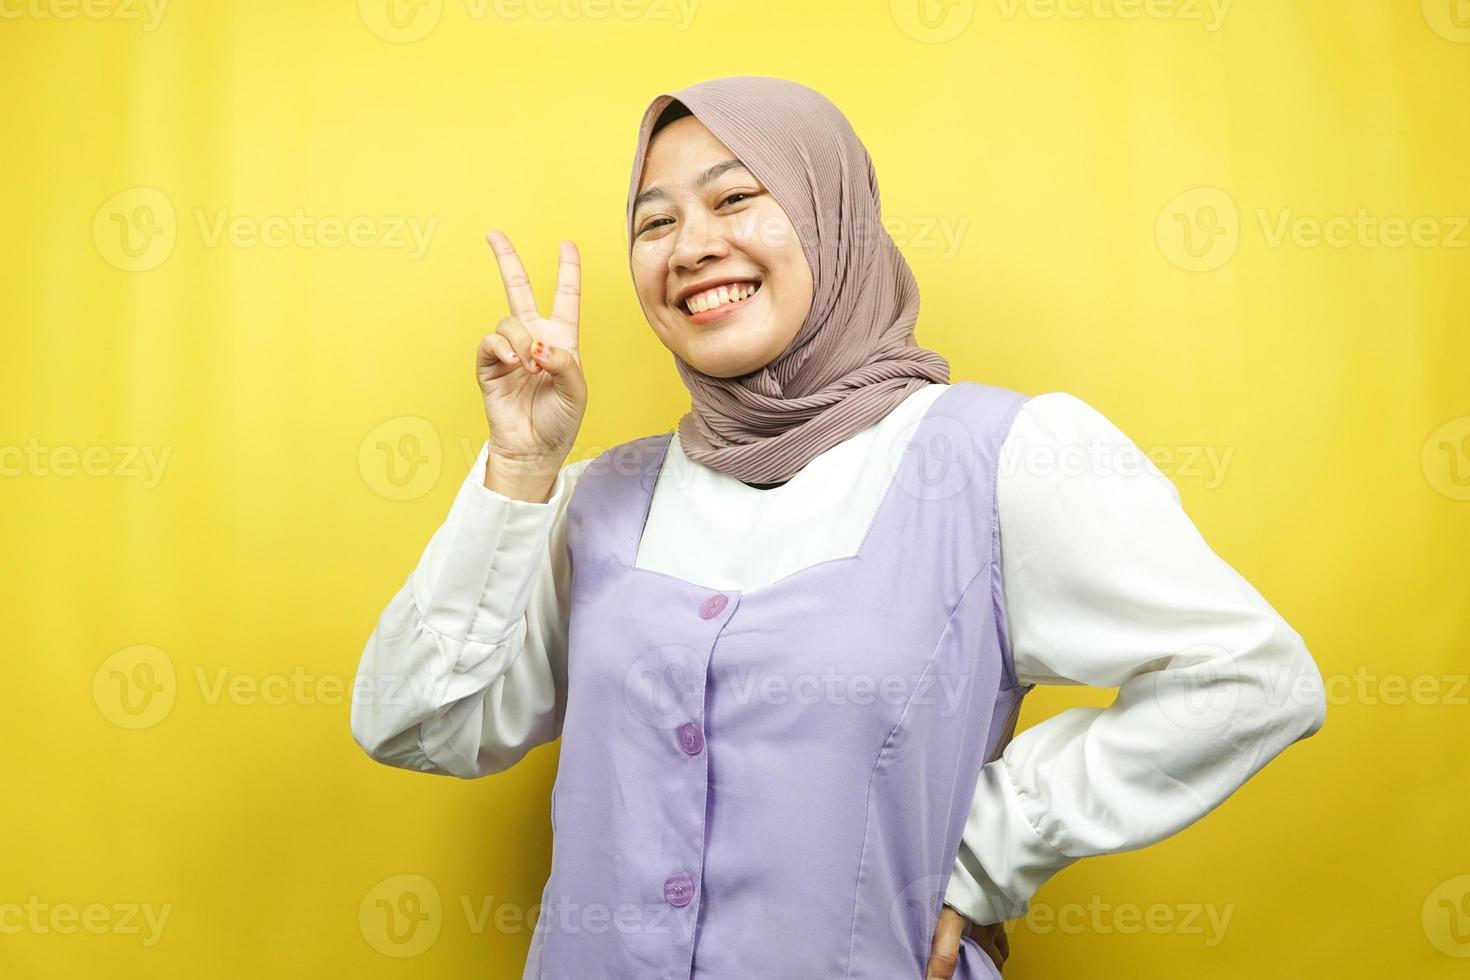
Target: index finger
column 513, row 274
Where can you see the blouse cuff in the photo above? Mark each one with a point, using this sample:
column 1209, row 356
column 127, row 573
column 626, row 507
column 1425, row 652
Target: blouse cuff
column 998, row 884
column 475, row 578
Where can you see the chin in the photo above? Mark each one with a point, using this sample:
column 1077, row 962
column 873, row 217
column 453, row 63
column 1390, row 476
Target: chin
column 729, row 354
column 729, row 371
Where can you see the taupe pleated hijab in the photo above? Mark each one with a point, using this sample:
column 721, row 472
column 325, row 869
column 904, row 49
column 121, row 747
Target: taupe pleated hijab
column 855, row 357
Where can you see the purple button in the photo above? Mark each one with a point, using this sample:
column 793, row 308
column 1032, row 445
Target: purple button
column 691, row 738
column 712, row 606
column 678, row 890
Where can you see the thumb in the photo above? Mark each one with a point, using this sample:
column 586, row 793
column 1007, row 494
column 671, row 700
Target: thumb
column 945, row 953
column 560, row 363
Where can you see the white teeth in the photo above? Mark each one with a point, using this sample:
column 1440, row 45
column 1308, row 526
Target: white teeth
column 720, row 295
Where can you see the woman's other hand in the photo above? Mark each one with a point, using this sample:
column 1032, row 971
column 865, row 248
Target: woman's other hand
column 945, row 954
column 530, row 376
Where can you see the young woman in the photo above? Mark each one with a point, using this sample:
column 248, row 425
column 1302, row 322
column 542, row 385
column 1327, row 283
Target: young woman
column 784, row 646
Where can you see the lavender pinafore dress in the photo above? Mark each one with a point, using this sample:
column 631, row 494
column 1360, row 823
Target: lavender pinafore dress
column 772, row 784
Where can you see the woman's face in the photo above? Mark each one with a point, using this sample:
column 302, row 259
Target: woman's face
column 707, row 221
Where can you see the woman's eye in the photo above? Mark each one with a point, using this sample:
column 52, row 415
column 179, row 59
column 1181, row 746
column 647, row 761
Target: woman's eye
column 736, row 196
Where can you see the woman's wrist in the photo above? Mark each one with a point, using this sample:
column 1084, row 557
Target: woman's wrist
column 521, row 478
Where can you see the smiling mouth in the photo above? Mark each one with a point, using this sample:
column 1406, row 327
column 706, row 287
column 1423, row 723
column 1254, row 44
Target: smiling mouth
column 723, row 309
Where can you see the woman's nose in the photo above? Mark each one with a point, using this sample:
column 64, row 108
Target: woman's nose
column 699, row 239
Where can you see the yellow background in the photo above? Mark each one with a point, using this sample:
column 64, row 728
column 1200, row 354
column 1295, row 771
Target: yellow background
column 180, row 640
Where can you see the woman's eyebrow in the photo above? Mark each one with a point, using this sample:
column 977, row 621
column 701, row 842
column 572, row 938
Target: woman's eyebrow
column 704, row 178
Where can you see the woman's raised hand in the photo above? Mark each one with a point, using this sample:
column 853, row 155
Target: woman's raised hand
column 530, row 375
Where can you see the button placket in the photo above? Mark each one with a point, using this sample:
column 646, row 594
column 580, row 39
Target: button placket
column 679, row 886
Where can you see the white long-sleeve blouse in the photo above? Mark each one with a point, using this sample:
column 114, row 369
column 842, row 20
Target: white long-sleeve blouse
column 1106, row 582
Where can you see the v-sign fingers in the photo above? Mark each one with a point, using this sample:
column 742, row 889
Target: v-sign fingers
column 517, row 284
column 567, row 305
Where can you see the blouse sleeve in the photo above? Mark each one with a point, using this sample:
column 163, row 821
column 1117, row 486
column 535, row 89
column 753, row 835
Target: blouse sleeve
column 1107, row 582
column 465, row 671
